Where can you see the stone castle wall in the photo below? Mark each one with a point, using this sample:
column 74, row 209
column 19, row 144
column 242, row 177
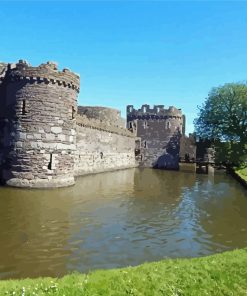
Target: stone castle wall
column 187, row 148
column 160, row 130
column 43, row 141
column 102, row 145
column 99, row 150
column 46, row 140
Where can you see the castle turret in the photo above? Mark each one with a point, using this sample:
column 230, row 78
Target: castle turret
column 160, row 130
column 38, row 108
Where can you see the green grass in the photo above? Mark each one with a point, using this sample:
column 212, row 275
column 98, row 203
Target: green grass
column 242, row 172
column 219, row 274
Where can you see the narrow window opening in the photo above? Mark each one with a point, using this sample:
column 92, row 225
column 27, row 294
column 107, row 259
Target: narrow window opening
column 145, row 144
column 158, row 109
column 168, row 124
column 130, row 124
column 101, row 155
column 50, row 163
column 144, row 109
column 145, row 124
column 24, row 107
column 73, row 112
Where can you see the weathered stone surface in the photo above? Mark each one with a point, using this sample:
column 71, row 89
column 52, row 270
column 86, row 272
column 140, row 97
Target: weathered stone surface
column 50, row 137
column 99, row 151
column 62, row 137
column 160, row 130
column 56, row 129
column 35, row 125
column 44, row 143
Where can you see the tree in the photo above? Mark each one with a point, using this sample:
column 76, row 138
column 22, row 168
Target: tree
column 223, row 119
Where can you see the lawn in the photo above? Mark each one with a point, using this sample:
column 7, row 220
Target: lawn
column 219, row 274
column 242, row 172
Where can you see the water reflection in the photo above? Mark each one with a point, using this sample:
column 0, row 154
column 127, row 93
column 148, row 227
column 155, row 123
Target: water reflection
column 117, row 219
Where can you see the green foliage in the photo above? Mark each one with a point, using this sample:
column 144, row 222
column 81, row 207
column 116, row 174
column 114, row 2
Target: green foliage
column 220, row 274
column 230, row 152
column 223, row 119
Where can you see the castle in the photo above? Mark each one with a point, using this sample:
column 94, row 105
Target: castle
column 46, row 140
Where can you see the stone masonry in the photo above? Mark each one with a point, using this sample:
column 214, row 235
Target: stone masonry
column 162, row 133
column 46, row 140
column 39, row 126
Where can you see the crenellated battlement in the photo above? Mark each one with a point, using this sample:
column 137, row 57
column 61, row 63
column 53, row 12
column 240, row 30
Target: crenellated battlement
column 44, row 73
column 46, row 139
column 157, row 112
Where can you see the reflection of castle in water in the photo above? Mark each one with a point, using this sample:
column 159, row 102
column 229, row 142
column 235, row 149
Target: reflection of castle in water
column 223, row 201
column 40, row 230
column 33, row 231
column 117, row 219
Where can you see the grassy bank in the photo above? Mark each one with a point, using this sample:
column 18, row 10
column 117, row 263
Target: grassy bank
column 220, row 274
column 242, row 173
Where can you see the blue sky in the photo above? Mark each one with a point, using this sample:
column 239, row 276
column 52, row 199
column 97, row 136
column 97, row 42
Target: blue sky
column 132, row 52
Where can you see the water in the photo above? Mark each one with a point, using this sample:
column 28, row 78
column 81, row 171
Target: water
column 119, row 219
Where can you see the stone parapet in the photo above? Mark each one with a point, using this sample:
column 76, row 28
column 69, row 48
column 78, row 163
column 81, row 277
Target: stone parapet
column 83, row 120
column 45, row 73
column 105, row 114
column 157, row 112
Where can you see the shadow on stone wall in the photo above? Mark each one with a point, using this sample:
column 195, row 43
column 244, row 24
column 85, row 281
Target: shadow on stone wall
column 170, row 158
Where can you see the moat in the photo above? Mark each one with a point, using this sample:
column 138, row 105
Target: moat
column 118, row 219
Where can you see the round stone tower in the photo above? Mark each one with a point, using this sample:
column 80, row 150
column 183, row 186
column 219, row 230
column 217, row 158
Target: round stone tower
column 39, row 141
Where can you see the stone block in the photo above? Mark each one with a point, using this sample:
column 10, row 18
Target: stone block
column 61, row 146
column 61, row 137
column 47, row 129
column 34, row 145
column 37, row 136
column 22, row 136
column 56, row 129
column 50, row 137
column 19, row 144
